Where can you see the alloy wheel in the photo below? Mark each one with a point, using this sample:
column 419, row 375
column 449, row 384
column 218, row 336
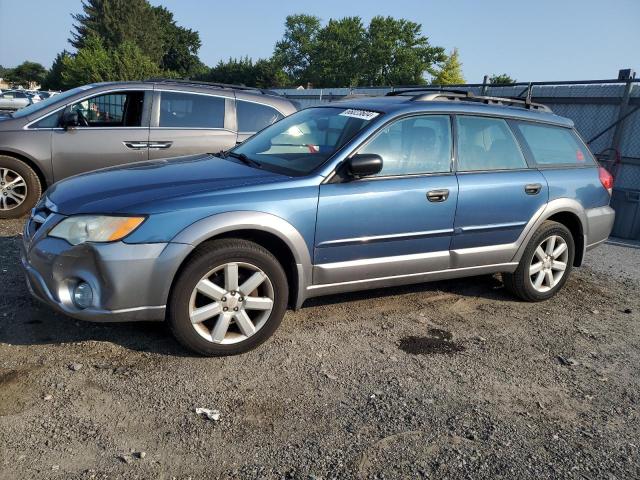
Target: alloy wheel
column 231, row 303
column 549, row 263
column 13, row 189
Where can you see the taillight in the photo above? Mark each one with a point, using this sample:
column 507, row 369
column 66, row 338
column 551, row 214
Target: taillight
column 606, row 179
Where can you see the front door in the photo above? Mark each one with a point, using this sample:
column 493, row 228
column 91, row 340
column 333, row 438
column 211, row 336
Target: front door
column 398, row 222
column 187, row 123
column 113, row 129
column 498, row 194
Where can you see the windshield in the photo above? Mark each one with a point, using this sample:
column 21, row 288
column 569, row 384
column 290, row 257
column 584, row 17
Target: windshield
column 300, row 143
column 35, row 107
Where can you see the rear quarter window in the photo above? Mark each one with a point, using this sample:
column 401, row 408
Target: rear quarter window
column 552, row 146
column 253, row 117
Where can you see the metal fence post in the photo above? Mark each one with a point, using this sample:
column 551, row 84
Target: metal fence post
column 485, row 80
column 616, row 149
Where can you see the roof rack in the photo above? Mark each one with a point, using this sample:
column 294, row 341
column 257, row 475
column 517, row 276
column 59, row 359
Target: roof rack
column 201, row 83
column 435, row 94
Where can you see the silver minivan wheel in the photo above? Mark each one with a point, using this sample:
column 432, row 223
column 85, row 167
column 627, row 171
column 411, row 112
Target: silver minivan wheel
column 549, row 263
column 231, row 303
column 13, row 189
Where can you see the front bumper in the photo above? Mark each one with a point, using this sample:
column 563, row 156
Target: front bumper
column 130, row 282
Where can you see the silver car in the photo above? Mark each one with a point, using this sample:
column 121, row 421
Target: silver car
column 107, row 124
column 14, row 100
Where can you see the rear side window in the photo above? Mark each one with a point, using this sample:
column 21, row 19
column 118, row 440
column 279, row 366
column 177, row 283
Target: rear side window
column 253, row 117
column 187, row 110
column 551, row 145
column 487, row 144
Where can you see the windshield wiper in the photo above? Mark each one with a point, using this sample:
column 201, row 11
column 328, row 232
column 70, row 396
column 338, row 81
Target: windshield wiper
column 244, row 159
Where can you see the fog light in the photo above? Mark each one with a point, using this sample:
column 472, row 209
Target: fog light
column 83, row 295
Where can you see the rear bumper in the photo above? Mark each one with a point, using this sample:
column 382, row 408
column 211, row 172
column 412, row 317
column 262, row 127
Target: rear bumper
column 599, row 225
column 129, row 282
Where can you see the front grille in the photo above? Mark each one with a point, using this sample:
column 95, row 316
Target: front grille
column 39, row 215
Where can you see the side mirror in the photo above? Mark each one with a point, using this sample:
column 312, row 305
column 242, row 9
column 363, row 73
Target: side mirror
column 364, row 165
column 70, row 119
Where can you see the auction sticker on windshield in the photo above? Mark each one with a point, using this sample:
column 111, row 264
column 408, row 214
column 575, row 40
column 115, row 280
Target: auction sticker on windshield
column 362, row 114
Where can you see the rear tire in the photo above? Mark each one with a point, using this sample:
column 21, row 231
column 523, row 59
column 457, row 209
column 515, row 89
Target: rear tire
column 20, row 187
column 228, row 299
column 545, row 264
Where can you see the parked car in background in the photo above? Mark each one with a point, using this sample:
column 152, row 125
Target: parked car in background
column 354, row 195
column 15, row 99
column 106, row 124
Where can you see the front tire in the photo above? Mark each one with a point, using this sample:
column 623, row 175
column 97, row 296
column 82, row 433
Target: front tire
column 229, row 298
column 20, row 187
column 545, row 265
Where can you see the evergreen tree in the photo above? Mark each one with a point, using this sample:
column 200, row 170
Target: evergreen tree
column 451, row 71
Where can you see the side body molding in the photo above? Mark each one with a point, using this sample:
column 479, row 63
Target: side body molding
column 214, row 225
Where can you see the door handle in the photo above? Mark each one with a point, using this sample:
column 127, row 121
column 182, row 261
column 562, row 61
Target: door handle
column 438, row 195
column 136, row 145
column 160, row 144
column 532, row 188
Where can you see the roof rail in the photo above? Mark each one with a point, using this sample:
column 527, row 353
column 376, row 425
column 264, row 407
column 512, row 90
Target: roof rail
column 201, row 83
column 436, row 94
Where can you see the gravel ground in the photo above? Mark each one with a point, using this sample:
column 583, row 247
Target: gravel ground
column 443, row 380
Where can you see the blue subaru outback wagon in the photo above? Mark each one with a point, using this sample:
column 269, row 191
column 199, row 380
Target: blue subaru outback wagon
column 359, row 194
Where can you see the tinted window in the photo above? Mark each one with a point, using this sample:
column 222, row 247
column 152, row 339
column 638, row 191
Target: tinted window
column 487, row 144
column 554, row 145
column 414, row 145
column 50, row 121
column 253, row 117
column 186, row 110
column 121, row 109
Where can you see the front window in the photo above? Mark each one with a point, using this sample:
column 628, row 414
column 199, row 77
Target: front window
column 299, row 144
column 120, row 109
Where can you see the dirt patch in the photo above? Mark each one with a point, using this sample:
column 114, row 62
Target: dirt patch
column 17, row 390
column 439, row 342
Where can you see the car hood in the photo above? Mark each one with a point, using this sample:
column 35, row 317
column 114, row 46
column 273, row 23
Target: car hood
column 144, row 187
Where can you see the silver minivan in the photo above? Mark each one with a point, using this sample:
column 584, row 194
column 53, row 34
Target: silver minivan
column 106, row 124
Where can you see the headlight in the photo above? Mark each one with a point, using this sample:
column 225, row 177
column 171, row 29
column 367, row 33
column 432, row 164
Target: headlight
column 95, row 228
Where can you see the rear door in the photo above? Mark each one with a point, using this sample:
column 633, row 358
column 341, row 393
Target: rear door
column 186, row 123
column 113, row 130
column 498, row 192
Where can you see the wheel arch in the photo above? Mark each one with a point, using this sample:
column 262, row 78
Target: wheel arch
column 569, row 213
column 44, row 181
column 272, row 232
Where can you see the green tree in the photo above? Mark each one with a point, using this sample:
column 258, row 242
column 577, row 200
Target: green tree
column 180, row 45
column 502, row 79
column 152, row 29
column 294, row 53
column 451, row 71
column 244, row 71
column 397, row 53
column 94, row 63
column 117, row 21
column 338, row 54
column 26, row 73
column 53, row 80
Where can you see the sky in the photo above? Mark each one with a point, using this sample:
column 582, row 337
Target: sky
column 533, row 40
